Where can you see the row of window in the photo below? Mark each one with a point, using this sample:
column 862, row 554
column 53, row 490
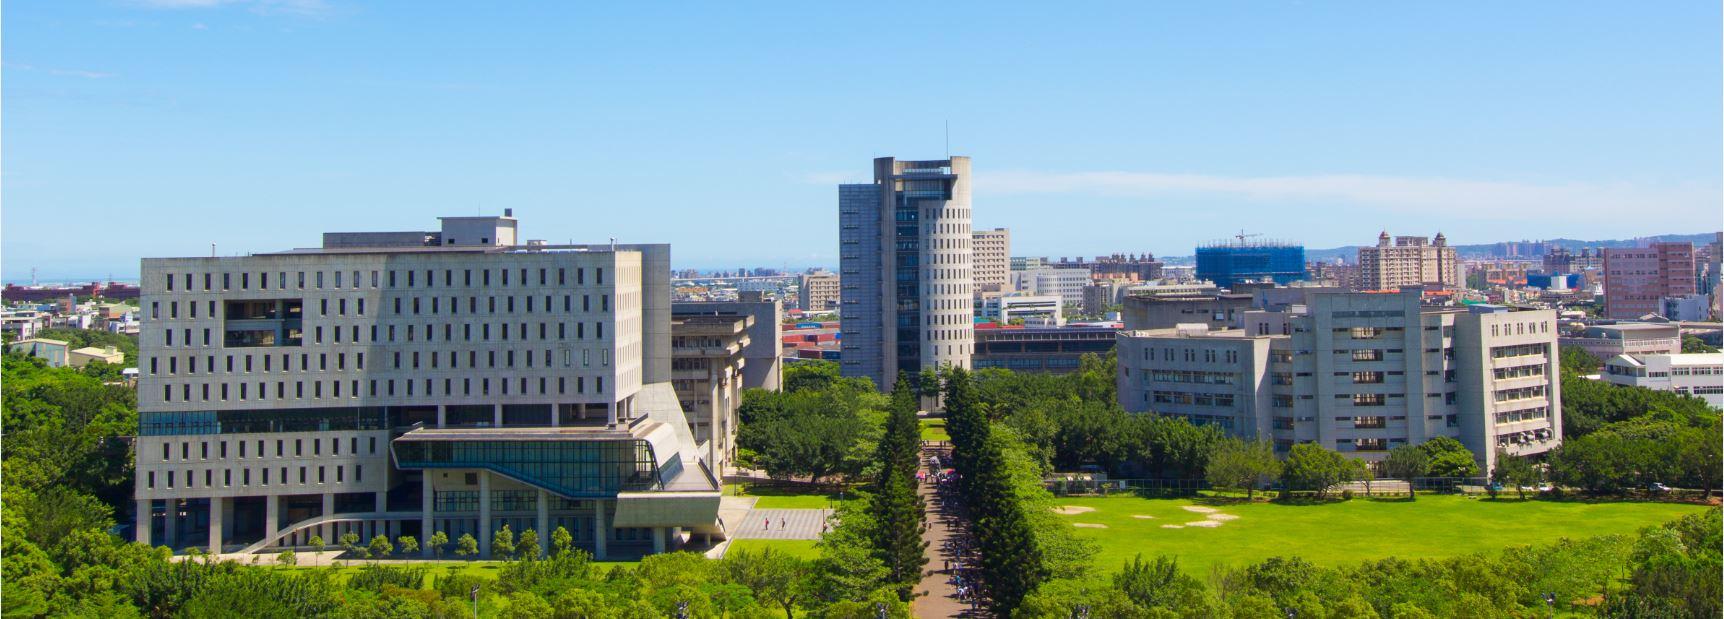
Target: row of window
column 244, row 392
column 1528, row 414
column 1518, row 350
column 227, row 481
column 1522, row 393
column 1520, row 328
column 1193, row 399
column 390, row 333
column 1209, row 355
column 409, row 360
column 1202, row 378
column 392, row 278
column 260, row 452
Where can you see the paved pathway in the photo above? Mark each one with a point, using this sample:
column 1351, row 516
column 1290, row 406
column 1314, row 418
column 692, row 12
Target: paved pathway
column 935, row 595
column 780, row 524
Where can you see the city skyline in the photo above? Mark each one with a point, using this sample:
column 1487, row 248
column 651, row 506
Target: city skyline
column 1154, row 120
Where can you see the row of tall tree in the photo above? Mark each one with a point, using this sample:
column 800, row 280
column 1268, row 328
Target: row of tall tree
column 895, row 502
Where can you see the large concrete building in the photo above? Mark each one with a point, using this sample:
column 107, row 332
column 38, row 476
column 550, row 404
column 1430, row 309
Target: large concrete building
column 1359, row 373
column 818, row 292
column 907, row 270
column 1040, row 349
column 1697, row 374
column 1217, row 311
column 1605, row 341
column 1410, row 261
column 718, row 349
column 1067, row 283
column 1635, row 279
column 993, row 260
column 413, row 382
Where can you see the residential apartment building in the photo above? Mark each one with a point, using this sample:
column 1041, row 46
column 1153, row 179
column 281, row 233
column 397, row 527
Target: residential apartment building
column 993, row 259
column 818, row 292
column 1697, row 374
column 1636, row 278
column 415, row 382
column 907, row 265
column 1359, row 373
column 1410, row 261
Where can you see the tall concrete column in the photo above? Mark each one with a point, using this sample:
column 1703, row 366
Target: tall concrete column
column 442, row 415
column 600, row 530
column 556, row 415
column 496, row 415
column 329, row 529
column 544, row 521
column 271, row 518
column 215, row 525
column 658, row 534
column 170, row 522
column 485, row 513
column 712, row 411
column 427, row 505
column 611, row 413
column 145, row 506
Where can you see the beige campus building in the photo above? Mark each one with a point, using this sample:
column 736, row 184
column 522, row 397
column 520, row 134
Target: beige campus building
column 818, row 292
column 393, row 383
column 1409, row 261
column 993, row 260
column 1360, row 373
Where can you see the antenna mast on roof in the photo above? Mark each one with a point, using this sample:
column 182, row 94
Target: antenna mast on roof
column 948, row 139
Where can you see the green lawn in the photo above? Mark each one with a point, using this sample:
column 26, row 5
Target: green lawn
column 783, row 498
column 935, row 430
column 1342, row 533
column 803, row 548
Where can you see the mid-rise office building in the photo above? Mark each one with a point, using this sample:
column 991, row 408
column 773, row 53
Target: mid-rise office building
column 1410, row 261
column 993, row 259
column 1216, row 311
column 1022, row 308
column 1697, row 374
column 907, row 269
column 1605, row 341
column 396, row 383
column 818, row 292
column 1359, row 373
column 1040, row 349
column 1063, row 282
column 1230, row 262
column 1636, row 278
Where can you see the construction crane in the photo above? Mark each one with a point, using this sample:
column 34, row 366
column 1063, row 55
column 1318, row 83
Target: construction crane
column 1242, row 236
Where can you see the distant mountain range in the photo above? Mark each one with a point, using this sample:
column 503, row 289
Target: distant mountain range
column 1487, row 250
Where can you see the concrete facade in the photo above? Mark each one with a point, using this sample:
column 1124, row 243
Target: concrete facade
column 1697, row 374
column 819, row 292
column 906, row 262
column 1217, row 311
column 993, row 259
column 277, row 391
column 1066, row 283
column 1359, row 373
column 1630, row 338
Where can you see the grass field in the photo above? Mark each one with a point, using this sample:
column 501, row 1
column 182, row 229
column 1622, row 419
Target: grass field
column 1334, row 534
column 803, row 548
column 935, row 430
column 772, row 497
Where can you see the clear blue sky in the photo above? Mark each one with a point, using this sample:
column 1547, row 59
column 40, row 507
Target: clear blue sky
column 156, row 127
